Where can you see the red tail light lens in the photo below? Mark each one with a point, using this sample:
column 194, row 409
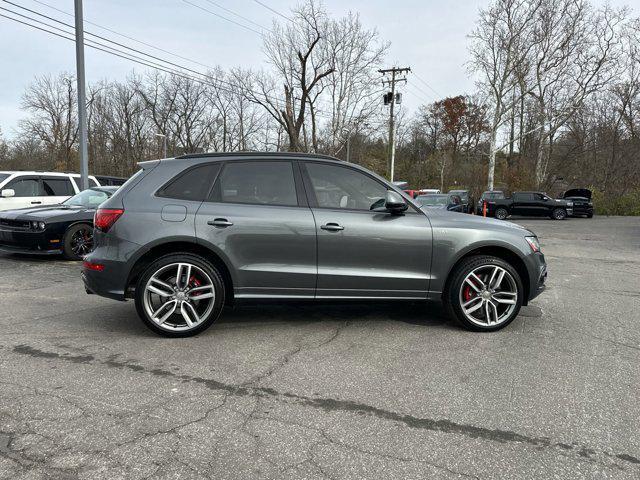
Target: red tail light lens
column 106, row 217
column 96, row 267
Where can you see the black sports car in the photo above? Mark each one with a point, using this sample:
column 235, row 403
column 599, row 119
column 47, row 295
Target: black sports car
column 54, row 229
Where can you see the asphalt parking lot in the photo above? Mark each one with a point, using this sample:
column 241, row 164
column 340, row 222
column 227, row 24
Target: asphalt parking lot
column 330, row 391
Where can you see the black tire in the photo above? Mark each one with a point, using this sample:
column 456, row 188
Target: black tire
column 452, row 295
column 559, row 214
column 589, row 215
column 501, row 213
column 77, row 241
column 166, row 261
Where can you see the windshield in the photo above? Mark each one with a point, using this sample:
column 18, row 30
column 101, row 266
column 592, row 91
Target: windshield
column 89, row 198
column 433, row 200
column 492, row 195
column 464, row 195
column 3, row 177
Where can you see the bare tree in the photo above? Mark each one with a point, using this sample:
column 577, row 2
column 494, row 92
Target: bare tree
column 51, row 101
column 499, row 47
column 574, row 54
column 295, row 51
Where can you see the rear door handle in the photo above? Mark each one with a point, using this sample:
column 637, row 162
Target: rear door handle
column 220, row 222
column 332, row 227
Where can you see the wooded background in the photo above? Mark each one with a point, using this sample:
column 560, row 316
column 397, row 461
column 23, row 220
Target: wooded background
column 557, row 105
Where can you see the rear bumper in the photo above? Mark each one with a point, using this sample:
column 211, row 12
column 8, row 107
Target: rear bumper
column 118, row 257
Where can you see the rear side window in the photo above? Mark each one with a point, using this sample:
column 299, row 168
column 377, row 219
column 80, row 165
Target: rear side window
column 257, row 183
column 25, row 187
column 523, row 197
column 57, row 186
column 192, row 184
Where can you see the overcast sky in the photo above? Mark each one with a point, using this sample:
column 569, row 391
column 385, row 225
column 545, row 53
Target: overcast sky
column 427, row 35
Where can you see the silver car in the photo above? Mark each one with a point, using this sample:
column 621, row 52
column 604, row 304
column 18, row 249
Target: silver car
column 186, row 236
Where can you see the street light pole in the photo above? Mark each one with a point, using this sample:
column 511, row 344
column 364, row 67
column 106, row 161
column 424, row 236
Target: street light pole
column 82, row 98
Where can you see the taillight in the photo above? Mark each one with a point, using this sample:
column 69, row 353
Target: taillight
column 96, row 267
column 106, row 217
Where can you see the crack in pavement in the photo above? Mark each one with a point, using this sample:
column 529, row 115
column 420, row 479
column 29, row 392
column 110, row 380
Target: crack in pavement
column 346, row 406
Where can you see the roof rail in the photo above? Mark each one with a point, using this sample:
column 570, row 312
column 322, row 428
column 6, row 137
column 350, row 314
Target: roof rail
column 265, row 154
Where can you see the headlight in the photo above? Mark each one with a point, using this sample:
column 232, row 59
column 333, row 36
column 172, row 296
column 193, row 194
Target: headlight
column 41, row 225
column 569, row 204
column 533, row 243
column 37, row 225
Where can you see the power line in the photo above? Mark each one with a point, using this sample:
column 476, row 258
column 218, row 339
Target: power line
column 107, row 29
column 223, row 17
column 153, row 57
column 428, row 86
column 273, row 10
column 215, row 4
column 110, row 50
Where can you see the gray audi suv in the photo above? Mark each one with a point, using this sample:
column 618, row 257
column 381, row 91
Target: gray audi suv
column 186, row 236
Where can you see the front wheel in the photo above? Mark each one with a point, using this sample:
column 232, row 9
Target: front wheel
column 179, row 295
column 559, row 214
column 485, row 293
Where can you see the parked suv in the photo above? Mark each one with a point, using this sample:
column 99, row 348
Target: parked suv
column 530, row 204
column 185, row 236
column 28, row 189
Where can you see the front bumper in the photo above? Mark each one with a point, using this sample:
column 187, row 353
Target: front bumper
column 537, row 275
column 31, row 242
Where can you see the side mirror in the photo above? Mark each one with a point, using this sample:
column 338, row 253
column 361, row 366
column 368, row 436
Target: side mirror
column 8, row 192
column 394, row 203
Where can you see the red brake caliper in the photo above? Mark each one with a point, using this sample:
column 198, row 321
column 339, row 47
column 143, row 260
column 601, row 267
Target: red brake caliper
column 194, row 282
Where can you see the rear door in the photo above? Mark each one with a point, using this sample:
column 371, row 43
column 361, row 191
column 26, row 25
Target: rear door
column 55, row 189
column 363, row 253
column 257, row 218
column 521, row 204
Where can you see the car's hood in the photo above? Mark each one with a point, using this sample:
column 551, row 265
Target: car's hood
column 43, row 213
column 434, row 207
column 577, row 192
column 455, row 219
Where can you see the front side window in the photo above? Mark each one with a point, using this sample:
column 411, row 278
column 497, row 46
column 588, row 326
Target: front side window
column 257, row 183
column 57, row 186
column 25, row 187
column 192, row 184
column 345, row 188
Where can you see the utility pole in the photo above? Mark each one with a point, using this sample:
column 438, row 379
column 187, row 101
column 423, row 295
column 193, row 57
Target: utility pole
column 82, row 98
column 391, row 99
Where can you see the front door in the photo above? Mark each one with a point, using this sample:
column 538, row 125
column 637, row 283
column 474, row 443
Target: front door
column 257, row 218
column 363, row 253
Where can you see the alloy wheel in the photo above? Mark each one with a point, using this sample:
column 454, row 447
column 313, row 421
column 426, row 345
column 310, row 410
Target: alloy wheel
column 82, row 242
column 488, row 296
column 178, row 297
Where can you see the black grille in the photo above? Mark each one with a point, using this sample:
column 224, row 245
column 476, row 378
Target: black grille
column 14, row 224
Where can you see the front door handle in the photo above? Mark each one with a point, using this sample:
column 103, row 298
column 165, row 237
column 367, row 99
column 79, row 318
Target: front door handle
column 220, row 222
column 36, row 203
column 332, row 227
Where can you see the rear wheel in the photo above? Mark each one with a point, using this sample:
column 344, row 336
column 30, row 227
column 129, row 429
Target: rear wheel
column 179, row 295
column 502, row 213
column 485, row 293
column 78, row 241
column 559, row 214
